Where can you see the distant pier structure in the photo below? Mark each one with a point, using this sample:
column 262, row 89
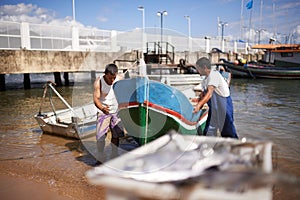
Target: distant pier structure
column 27, row 48
column 57, row 62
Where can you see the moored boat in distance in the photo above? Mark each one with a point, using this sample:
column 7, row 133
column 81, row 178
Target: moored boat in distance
column 280, row 61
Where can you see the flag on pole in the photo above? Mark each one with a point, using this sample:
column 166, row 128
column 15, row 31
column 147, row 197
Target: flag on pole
column 249, row 4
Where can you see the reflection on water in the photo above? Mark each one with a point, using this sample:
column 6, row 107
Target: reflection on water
column 20, row 137
column 264, row 109
column 270, row 110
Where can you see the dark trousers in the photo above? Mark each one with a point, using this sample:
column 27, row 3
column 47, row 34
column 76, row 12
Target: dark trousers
column 220, row 117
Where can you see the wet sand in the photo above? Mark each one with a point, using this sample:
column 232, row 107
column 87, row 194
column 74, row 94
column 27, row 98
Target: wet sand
column 57, row 173
column 41, row 178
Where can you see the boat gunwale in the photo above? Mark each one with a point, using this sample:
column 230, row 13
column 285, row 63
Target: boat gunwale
column 169, row 112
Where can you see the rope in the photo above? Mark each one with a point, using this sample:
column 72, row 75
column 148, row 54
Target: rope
column 147, row 109
column 51, row 103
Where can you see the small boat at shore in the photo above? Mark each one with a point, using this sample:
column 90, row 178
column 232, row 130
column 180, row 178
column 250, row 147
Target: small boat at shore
column 76, row 123
column 149, row 109
column 280, row 61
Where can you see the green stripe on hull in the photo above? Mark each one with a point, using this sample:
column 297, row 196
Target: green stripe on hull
column 134, row 120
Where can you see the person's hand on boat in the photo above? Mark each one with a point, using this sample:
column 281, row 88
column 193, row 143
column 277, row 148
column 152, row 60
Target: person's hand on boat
column 197, row 108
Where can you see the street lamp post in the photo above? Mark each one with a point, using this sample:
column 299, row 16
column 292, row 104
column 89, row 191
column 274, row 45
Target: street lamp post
column 259, row 31
column 189, row 30
column 75, row 33
column 222, row 24
column 161, row 14
column 189, row 24
column 73, row 10
column 141, row 8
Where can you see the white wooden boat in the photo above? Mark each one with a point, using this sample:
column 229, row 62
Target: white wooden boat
column 78, row 122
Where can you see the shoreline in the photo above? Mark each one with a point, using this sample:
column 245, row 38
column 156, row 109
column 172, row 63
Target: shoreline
column 40, row 178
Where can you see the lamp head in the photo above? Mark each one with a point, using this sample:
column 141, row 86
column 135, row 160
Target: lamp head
column 141, row 8
column 161, row 13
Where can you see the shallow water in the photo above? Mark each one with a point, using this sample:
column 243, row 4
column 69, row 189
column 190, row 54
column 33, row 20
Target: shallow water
column 270, row 110
column 267, row 110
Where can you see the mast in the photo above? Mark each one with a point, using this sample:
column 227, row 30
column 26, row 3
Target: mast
column 219, row 31
column 260, row 17
column 218, row 27
column 249, row 6
column 274, row 26
column 242, row 20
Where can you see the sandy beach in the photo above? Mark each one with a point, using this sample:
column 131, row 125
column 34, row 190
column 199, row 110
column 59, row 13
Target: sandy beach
column 61, row 176
column 43, row 178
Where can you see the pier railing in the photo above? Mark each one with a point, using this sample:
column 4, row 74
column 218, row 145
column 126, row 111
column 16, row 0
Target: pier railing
column 14, row 35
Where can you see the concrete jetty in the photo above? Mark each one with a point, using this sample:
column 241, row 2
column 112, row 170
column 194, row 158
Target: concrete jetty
column 40, row 61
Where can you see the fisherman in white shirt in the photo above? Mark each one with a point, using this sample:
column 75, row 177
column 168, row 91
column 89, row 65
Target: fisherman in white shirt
column 217, row 95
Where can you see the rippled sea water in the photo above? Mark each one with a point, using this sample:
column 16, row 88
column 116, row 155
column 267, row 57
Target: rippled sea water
column 270, row 110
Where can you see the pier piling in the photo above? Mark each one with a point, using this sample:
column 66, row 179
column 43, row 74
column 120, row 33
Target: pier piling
column 26, row 81
column 57, row 79
column 66, row 77
column 93, row 76
column 2, row 82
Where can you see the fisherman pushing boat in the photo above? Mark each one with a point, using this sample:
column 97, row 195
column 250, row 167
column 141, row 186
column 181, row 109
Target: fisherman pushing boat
column 217, row 95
